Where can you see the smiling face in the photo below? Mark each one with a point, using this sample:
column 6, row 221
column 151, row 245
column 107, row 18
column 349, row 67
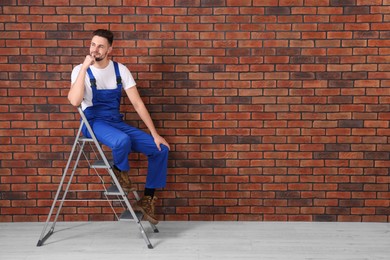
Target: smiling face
column 100, row 48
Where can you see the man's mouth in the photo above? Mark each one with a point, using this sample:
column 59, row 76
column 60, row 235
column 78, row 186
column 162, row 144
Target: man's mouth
column 97, row 56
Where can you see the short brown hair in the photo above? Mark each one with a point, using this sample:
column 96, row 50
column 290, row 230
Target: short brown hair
column 105, row 34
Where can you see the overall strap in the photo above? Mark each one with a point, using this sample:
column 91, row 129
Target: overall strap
column 118, row 75
column 91, row 78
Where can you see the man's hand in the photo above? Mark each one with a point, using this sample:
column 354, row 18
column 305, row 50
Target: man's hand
column 160, row 140
column 89, row 60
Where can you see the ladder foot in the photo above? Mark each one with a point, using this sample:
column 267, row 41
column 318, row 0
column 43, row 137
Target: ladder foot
column 42, row 240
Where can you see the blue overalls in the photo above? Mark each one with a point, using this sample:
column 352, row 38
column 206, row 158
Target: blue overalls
column 109, row 129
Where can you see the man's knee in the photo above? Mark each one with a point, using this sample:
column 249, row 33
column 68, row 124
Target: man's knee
column 163, row 153
column 164, row 149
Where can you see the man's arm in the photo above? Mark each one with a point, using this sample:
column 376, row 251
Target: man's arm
column 140, row 108
column 76, row 92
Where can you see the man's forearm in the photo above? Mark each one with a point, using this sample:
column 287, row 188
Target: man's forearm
column 76, row 92
column 146, row 118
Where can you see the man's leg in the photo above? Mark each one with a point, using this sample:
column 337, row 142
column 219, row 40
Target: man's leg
column 143, row 142
column 157, row 168
column 156, row 178
column 120, row 145
column 118, row 142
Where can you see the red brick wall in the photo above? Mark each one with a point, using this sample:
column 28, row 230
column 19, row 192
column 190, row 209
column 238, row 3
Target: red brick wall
column 275, row 110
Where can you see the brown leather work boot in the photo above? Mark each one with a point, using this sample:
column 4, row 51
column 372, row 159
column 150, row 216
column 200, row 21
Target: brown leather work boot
column 146, row 206
column 124, row 180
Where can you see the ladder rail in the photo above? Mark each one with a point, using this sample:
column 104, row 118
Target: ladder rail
column 41, row 239
column 96, row 142
column 109, row 168
column 135, row 217
column 68, row 184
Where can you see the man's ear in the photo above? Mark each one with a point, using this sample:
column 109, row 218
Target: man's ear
column 110, row 49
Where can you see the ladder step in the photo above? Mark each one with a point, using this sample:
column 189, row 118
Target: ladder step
column 126, row 215
column 85, row 139
column 113, row 190
column 99, row 164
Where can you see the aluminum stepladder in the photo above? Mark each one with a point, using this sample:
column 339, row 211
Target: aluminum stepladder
column 114, row 190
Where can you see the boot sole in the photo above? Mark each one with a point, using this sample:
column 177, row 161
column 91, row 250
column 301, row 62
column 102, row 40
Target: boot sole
column 128, row 190
column 146, row 216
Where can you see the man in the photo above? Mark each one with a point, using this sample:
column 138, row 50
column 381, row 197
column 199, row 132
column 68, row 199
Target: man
column 97, row 86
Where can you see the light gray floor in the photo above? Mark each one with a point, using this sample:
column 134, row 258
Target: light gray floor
column 198, row 240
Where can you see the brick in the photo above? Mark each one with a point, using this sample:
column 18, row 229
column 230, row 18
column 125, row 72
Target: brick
column 351, row 123
column 211, row 3
column 277, row 10
column 302, row 75
column 342, row 2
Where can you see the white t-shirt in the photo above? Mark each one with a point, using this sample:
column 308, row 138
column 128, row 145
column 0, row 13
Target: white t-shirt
column 105, row 79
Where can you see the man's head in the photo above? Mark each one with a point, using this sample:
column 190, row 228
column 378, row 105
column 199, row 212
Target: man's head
column 105, row 34
column 101, row 44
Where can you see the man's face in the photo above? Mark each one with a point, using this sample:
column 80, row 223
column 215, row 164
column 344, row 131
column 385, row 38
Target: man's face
column 100, row 48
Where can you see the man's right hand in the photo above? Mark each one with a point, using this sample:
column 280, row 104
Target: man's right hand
column 89, row 60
